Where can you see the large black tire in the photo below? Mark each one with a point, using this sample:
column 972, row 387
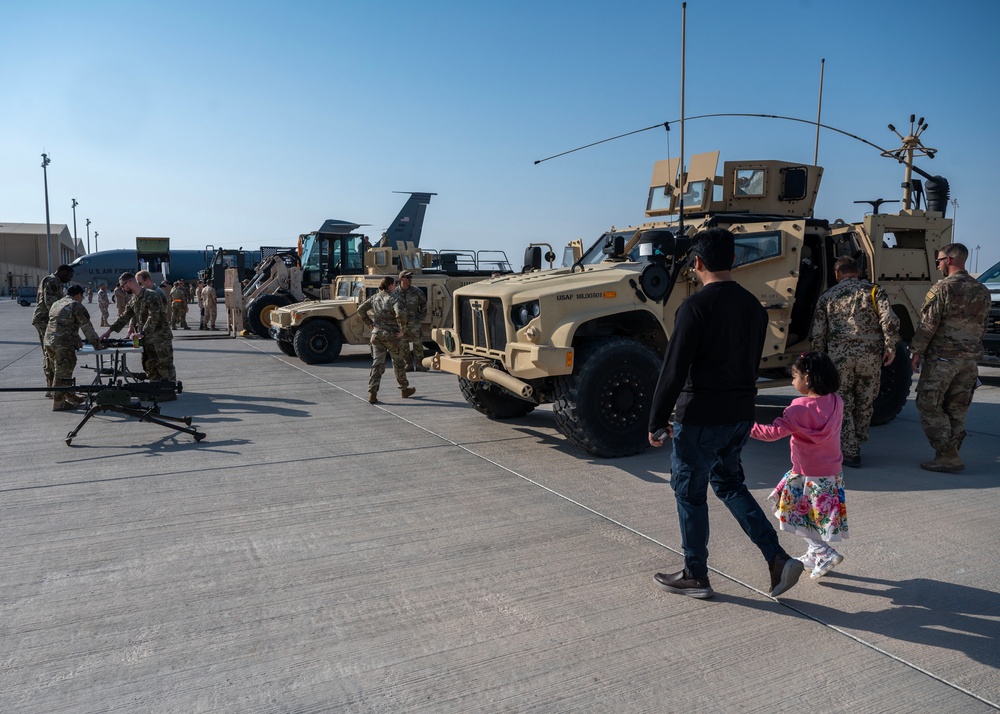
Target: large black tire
column 894, row 388
column 286, row 348
column 603, row 407
column 259, row 310
column 318, row 342
column 493, row 400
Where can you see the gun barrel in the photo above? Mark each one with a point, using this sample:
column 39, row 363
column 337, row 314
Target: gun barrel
column 136, row 388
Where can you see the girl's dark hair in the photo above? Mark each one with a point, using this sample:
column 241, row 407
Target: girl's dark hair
column 820, row 371
column 387, row 282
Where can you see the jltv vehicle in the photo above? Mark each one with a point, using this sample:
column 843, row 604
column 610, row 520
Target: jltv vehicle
column 589, row 339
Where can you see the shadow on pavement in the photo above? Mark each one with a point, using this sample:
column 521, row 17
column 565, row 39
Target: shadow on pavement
column 923, row 611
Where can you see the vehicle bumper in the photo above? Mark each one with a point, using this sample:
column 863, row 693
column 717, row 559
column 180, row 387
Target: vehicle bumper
column 477, row 369
column 281, row 334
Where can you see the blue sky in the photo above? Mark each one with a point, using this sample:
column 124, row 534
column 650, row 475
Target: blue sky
column 246, row 124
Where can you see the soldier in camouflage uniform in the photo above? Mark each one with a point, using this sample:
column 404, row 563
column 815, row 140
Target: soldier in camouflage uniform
column 946, row 349
column 121, row 300
column 383, row 313
column 50, row 290
column 414, row 309
column 62, row 338
column 148, row 312
column 165, row 290
column 211, row 302
column 103, row 304
column 855, row 325
column 179, row 308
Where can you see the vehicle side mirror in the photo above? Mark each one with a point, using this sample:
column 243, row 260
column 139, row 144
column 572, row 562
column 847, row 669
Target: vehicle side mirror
column 614, row 245
column 532, row 258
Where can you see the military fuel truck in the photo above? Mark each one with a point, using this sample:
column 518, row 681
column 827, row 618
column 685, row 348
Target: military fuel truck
column 590, row 339
column 316, row 330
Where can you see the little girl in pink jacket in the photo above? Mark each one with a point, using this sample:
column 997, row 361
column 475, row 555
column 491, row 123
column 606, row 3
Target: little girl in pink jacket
column 809, row 500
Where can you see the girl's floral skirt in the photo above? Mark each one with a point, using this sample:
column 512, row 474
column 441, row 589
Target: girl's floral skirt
column 811, row 507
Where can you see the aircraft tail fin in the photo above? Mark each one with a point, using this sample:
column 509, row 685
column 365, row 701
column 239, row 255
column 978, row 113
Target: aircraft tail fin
column 409, row 222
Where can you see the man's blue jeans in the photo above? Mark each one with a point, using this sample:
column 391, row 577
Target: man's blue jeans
column 705, row 455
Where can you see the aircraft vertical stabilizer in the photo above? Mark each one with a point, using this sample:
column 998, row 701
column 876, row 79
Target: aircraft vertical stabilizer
column 409, row 222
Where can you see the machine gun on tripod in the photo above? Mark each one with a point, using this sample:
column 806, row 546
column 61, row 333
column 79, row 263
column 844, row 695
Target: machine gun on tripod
column 138, row 400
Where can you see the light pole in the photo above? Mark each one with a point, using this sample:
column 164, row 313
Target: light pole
column 75, row 204
column 48, row 227
column 95, row 241
column 976, row 269
column 88, row 235
column 954, row 220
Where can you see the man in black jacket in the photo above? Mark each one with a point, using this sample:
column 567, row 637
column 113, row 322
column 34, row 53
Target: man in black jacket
column 709, row 375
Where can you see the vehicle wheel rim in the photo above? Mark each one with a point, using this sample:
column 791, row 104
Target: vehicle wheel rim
column 620, row 399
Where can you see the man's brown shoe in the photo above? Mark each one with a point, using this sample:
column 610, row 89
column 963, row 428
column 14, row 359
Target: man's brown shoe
column 372, row 399
column 409, row 392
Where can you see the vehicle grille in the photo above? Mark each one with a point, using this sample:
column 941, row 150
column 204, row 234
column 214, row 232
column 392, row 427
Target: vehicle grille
column 993, row 326
column 480, row 328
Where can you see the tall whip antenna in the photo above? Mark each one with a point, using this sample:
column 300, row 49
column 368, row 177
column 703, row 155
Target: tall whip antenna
column 819, row 111
column 680, row 168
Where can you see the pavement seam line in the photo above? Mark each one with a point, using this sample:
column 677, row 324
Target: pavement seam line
column 862, row 642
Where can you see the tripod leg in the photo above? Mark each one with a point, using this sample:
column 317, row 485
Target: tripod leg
column 147, row 415
column 86, row 417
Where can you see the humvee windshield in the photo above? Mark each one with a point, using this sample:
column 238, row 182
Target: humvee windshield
column 595, row 254
column 350, row 288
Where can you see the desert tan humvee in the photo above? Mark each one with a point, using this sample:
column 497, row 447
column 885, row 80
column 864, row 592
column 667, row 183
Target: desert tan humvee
column 316, row 330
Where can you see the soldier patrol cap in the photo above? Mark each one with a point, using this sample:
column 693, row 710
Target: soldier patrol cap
column 405, row 274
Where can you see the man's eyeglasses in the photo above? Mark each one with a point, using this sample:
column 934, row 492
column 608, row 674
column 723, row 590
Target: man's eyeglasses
column 938, row 260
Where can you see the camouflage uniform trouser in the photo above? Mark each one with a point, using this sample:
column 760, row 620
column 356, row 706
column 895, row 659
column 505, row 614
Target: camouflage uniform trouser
column 944, row 393
column 381, row 346
column 48, row 368
column 158, row 359
column 104, row 315
column 860, row 374
column 63, row 361
column 411, row 345
column 211, row 310
column 178, row 314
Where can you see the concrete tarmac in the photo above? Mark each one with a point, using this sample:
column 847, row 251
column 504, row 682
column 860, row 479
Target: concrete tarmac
column 319, row 554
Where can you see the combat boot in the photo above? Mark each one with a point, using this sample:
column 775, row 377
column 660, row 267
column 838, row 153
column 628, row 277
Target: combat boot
column 947, row 461
column 59, row 401
column 70, row 397
column 408, row 392
column 372, row 398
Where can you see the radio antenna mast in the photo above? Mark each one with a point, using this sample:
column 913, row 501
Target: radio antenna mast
column 680, row 166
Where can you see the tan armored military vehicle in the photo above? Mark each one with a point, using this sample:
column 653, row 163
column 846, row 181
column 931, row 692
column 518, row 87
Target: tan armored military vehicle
column 589, row 339
column 316, row 330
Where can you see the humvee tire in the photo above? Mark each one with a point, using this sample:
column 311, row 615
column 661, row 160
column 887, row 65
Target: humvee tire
column 894, row 388
column 493, row 400
column 603, row 407
column 318, row 342
column 258, row 310
column 286, row 348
